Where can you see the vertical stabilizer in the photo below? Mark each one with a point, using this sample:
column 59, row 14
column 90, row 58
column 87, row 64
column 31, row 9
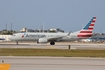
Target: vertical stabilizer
column 86, row 31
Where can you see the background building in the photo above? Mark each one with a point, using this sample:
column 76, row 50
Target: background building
column 5, row 37
column 54, row 30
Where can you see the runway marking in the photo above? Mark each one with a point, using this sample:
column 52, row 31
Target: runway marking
column 12, row 64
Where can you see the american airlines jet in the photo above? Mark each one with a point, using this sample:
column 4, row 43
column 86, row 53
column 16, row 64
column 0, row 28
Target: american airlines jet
column 84, row 33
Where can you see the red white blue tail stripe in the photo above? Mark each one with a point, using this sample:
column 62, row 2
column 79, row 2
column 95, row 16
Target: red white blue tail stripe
column 88, row 29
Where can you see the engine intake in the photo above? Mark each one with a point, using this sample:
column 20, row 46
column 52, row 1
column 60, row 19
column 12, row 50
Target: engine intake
column 42, row 40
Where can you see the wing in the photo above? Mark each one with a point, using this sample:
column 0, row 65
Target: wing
column 58, row 38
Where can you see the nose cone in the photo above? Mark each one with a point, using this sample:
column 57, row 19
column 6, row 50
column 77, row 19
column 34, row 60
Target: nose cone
column 12, row 38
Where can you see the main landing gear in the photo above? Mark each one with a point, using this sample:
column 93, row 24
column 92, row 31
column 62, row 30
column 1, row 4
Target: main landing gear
column 52, row 43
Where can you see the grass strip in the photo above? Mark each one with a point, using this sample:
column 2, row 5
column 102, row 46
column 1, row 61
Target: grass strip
column 51, row 52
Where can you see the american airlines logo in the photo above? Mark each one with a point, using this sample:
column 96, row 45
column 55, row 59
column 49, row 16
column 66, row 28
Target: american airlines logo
column 23, row 35
column 33, row 36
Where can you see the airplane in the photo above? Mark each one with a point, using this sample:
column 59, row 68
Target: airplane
column 84, row 33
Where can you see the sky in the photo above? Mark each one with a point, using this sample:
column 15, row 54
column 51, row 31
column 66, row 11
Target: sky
column 68, row 15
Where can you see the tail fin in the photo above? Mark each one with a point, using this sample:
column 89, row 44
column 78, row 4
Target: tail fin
column 88, row 29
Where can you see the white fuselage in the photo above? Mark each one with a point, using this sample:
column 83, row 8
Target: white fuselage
column 37, row 36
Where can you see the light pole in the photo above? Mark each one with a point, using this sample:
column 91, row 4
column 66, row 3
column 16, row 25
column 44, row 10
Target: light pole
column 6, row 26
column 11, row 28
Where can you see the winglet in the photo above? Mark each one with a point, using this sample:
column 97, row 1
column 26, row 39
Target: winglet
column 69, row 33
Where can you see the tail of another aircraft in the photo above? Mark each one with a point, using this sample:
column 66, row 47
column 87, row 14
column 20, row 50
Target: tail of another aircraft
column 86, row 31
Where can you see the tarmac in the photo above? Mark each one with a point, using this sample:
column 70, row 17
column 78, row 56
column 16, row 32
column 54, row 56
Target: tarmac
column 54, row 63
column 85, row 46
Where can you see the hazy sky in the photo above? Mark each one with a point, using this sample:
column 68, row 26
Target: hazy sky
column 69, row 15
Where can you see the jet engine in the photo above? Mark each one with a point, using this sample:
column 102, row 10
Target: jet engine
column 42, row 40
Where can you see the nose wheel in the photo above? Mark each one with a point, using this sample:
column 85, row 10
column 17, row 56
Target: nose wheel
column 17, row 42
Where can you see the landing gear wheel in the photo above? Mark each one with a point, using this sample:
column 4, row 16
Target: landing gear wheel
column 52, row 43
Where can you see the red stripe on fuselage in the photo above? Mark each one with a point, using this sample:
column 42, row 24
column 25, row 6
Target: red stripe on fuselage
column 84, row 35
column 86, row 32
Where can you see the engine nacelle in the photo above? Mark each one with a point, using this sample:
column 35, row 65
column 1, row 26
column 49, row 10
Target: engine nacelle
column 42, row 40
